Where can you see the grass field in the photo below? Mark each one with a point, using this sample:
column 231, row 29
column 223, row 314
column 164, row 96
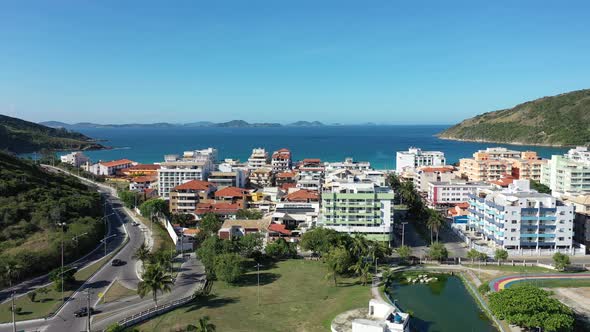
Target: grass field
column 294, row 296
column 512, row 269
column 557, row 283
column 117, row 292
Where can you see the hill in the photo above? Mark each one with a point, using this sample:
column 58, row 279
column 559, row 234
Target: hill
column 20, row 136
column 32, row 201
column 562, row 120
column 244, row 124
column 306, row 124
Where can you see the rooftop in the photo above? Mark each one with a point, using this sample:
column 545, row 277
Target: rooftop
column 115, row 163
column 231, row 192
column 194, row 185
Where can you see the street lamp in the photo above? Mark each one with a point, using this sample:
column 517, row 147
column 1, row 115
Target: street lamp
column 75, row 238
column 62, row 281
column 105, row 221
column 105, row 242
column 403, row 231
column 62, row 224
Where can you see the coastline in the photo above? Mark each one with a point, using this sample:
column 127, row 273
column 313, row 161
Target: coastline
column 508, row 143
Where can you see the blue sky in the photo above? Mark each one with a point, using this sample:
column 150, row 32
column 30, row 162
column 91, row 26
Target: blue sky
column 334, row 61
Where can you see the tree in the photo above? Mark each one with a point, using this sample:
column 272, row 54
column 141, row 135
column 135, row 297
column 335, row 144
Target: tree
column 68, row 277
column 229, row 267
column 434, row 223
column 11, row 271
column 154, row 279
column 319, row 240
column 209, row 250
column 32, row 295
column 404, row 252
column 473, row 255
column 251, row 214
column 438, row 251
column 142, row 253
column 204, row 325
column 280, row 249
column 531, row 307
column 250, row 244
column 210, row 224
column 561, row 261
column 128, row 197
column 338, row 261
column 163, row 258
column 153, row 207
column 115, row 328
column 394, row 182
column 500, row 255
column 183, row 219
column 538, row 186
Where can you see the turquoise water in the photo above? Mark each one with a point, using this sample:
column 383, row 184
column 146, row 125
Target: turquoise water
column 441, row 306
column 376, row 144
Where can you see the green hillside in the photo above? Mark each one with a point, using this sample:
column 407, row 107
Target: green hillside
column 20, row 136
column 561, row 120
column 32, row 201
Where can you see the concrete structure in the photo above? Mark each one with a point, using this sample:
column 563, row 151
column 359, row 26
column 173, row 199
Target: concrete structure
column 424, row 175
column 193, row 165
column 75, row 159
column 415, row 157
column 258, row 159
column 348, row 164
column 358, row 208
column 568, row 174
column 261, row 177
column 110, row 168
column 184, row 197
column 281, row 161
column 141, row 183
column 453, row 192
column 581, row 204
column 381, row 317
column 521, row 218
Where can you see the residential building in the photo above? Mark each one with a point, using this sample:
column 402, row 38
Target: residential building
column 415, row 157
column 303, row 196
column 424, row 175
column 494, row 163
column 484, row 170
column 581, row 204
column 141, row 170
column 226, row 179
column 296, row 214
column 261, row 177
column 258, row 159
column 240, row 170
column 448, row 193
column 283, row 178
column 281, row 160
column 110, row 168
column 193, row 165
column 568, row 174
column 528, row 167
column 224, row 210
column 141, row 183
column 75, row 159
column 349, row 164
column 311, row 174
column 231, row 194
column 364, row 208
column 521, row 218
column 232, row 229
column 184, row 197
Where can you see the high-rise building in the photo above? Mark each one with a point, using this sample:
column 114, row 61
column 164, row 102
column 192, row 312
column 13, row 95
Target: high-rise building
column 493, row 164
column 193, row 165
column 569, row 173
column 415, row 157
column 258, row 159
column 281, row 160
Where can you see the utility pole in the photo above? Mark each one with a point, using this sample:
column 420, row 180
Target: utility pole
column 62, row 224
column 88, row 309
column 403, row 231
column 13, row 313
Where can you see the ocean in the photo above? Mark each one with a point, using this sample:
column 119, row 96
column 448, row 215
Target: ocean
column 377, row 144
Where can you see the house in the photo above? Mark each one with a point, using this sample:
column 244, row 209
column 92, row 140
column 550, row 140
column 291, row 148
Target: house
column 415, row 157
column 141, row 170
column 303, row 196
column 225, row 210
column 184, row 197
column 110, row 168
column 75, row 159
column 232, row 229
column 283, row 178
column 280, row 231
column 281, row 160
column 261, row 177
column 141, row 183
column 231, row 194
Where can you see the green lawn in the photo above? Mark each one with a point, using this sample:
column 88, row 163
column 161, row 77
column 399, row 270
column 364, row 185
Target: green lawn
column 506, row 267
column 45, row 304
column 294, row 296
column 557, row 283
column 117, row 292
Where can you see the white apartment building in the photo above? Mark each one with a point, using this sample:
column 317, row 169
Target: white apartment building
column 568, row 174
column 353, row 207
column 521, row 218
column 258, row 158
column 348, row 164
column 76, row 159
column 415, row 157
column 452, row 192
column 281, row 161
column 175, row 170
column 110, row 168
column 310, row 174
column 424, row 175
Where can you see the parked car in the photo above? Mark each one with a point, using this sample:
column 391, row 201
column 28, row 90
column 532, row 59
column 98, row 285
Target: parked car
column 117, row 262
column 83, row 312
column 135, row 223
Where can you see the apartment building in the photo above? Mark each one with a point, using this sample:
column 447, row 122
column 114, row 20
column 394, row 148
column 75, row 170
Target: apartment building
column 568, row 174
column 494, row 163
column 415, row 157
column 193, row 165
column 364, row 208
column 185, row 197
column 141, row 183
column 310, row 174
column 258, row 159
column 521, row 218
column 348, row 164
column 448, row 193
column 110, row 168
column 261, row 177
column 581, row 204
column 281, row 161
column 75, row 159
column 424, row 175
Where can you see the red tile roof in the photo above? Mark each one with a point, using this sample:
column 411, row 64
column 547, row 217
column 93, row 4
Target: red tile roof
column 279, row 228
column 437, row 169
column 504, row 182
column 142, row 167
column 115, row 163
column 312, row 161
column 219, row 208
column 143, row 179
column 231, row 192
column 286, row 186
column 286, row 175
column 303, row 195
column 194, row 185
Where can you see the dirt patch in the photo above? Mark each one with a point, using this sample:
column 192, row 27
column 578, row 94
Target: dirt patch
column 576, row 298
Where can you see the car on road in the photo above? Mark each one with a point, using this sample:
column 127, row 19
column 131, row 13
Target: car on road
column 135, row 223
column 83, row 312
column 117, row 262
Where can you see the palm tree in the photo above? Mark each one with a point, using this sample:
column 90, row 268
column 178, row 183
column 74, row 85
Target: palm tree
column 205, row 325
column 11, row 270
column 155, row 279
column 434, row 223
column 142, row 253
column 359, row 246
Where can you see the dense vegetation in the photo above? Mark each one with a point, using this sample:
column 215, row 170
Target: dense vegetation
column 559, row 120
column 32, row 204
column 20, row 136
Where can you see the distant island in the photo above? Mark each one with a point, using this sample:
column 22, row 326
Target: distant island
column 562, row 120
column 228, row 124
column 20, row 136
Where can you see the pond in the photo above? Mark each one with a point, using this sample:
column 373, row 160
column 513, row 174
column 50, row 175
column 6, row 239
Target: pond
column 439, row 306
